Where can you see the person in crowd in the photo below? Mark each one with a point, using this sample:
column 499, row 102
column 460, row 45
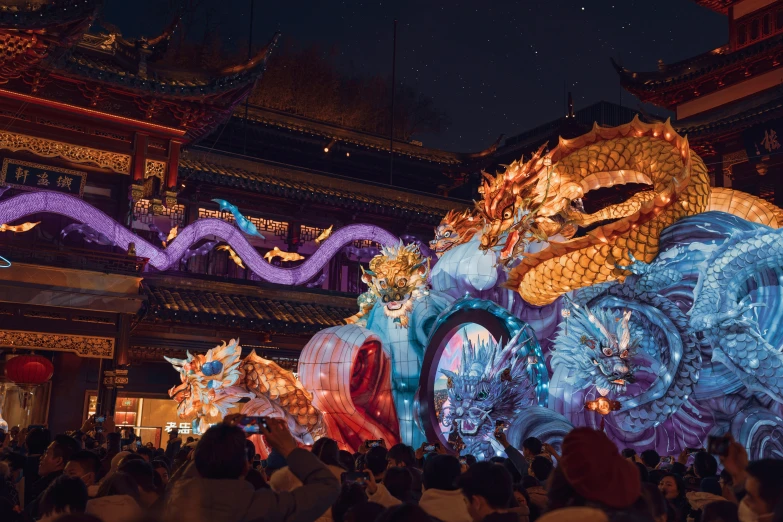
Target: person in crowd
column 62, row 496
column 113, row 447
column 254, row 476
column 351, row 496
column 657, row 504
column 531, row 448
column 51, row 466
column 8, row 490
column 673, row 489
column 644, row 475
column 84, row 465
column 274, row 462
column 488, row 492
column 404, row 513
column 525, row 509
column 162, row 469
column 763, row 488
column 376, row 490
column 442, row 497
column 142, row 473
column 375, row 462
column 628, row 453
column 35, row 442
column 592, row 473
column 362, row 512
column 705, row 465
column 173, row 445
column 403, row 456
column 399, row 483
column 146, row 453
column 519, row 460
column 347, row 462
column 720, row 511
column 650, row 458
column 541, row 468
column 212, row 487
column 117, row 499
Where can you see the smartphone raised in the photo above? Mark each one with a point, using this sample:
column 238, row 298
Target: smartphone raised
column 100, row 419
column 431, row 447
column 252, row 424
column 374, row 443
column 358, row 477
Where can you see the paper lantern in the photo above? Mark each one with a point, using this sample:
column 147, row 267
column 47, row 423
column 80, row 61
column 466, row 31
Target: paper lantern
column 29, row 369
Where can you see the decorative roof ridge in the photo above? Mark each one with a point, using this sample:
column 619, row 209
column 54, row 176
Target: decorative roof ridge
column 358, row 137
column 734, row 114
column 719, row 6
column 697, row 65
column 292, row 294
column 289, row 173
column 57, row 12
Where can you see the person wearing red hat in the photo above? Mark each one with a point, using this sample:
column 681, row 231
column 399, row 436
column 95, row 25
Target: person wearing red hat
column 592, row 472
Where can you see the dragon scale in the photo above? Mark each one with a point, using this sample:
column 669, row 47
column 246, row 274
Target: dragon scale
column 653, row 154
column 720, row 313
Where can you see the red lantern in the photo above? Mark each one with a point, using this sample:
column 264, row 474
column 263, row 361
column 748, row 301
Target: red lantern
column 29, row 369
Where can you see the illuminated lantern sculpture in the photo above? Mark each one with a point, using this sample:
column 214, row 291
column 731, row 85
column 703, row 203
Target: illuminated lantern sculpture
column 603, row 406
column 27, row 372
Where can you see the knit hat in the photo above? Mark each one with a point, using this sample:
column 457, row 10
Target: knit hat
column 595, row 469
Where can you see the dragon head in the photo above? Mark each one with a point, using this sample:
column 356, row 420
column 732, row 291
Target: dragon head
column 491, row 383
column 205, row 378
column 455, row 229
column 519, row 206
column 600, row 347
column 397, row 277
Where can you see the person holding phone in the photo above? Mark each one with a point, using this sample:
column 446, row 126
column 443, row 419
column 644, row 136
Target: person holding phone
column 211, row 487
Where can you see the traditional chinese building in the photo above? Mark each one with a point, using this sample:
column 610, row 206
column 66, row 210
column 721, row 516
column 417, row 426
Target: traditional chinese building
column 87, row 112
column 729, row 100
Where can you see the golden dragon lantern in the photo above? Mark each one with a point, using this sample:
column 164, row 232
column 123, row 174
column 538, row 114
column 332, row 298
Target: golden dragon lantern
column 534, row 215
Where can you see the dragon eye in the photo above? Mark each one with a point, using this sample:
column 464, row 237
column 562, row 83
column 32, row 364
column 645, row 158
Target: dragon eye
column 383, row 284
column 402, row 282
column 624, row 354
column 459, row 398
column 482, row 395
column 447, row 234
column 508, row 212
column 607, row 351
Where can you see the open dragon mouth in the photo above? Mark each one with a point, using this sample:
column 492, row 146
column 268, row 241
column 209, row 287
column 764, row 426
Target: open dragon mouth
column 470, row 426
column 508, row 249
column 394, row 305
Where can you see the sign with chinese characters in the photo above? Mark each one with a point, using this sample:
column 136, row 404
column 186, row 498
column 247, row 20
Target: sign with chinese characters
column 183, row 427
column 763, row 140
column 33, row 176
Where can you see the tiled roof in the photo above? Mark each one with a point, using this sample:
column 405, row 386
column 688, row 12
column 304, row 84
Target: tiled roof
column 734, row 117
column 719, row 6
column 280, row 181
column 720, row 60
column 308, row 126
column 242, row 310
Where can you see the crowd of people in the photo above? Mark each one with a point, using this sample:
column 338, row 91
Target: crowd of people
column 95, row 474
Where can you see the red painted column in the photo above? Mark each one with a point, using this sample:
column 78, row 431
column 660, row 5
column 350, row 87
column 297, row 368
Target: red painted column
column 171, row 173
column 139, row 157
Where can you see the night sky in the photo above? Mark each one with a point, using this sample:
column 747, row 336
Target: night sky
column 495, row 67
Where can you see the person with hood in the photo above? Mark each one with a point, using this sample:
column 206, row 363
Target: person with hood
column 117, row 499
column 442, row 498
column 212, row 488
column 593, row 474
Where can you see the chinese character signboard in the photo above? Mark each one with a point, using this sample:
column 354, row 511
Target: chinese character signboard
column 763, row 140
column 33, row 176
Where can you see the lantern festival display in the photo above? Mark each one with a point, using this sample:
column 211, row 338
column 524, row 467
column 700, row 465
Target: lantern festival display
column 664, row 302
